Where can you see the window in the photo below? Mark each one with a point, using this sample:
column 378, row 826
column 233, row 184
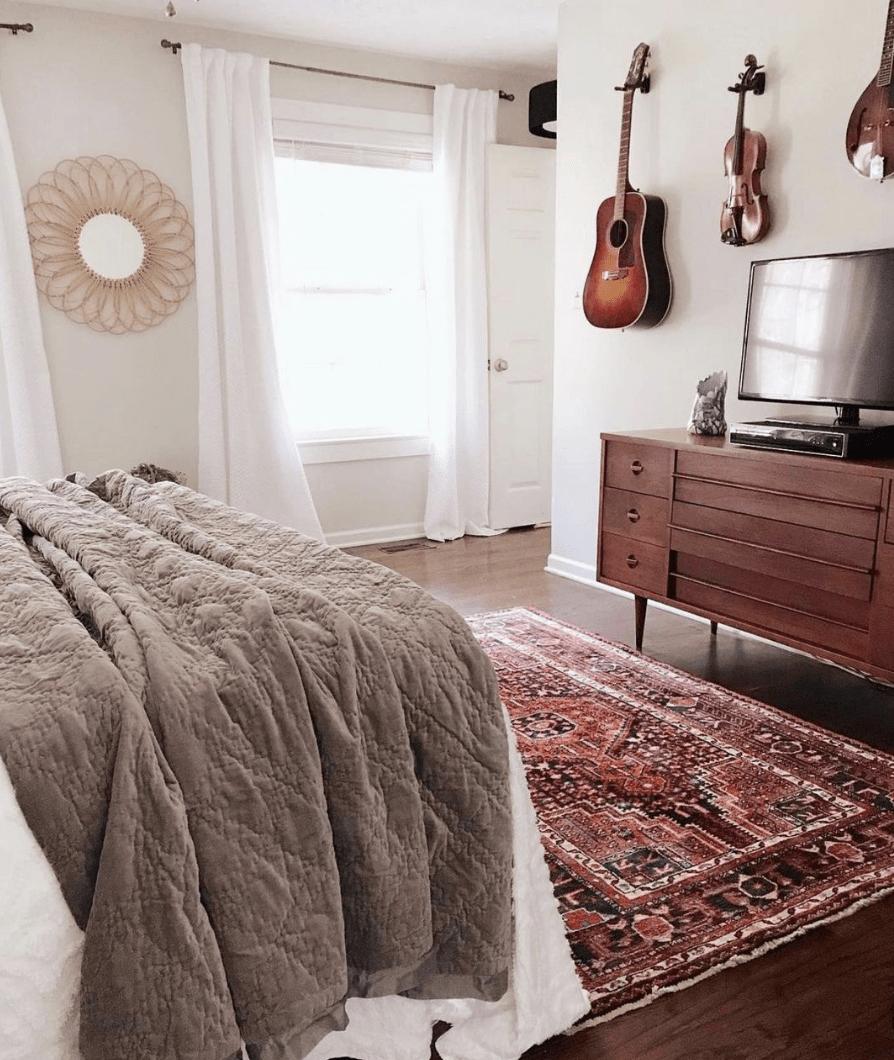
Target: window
column 352, row 343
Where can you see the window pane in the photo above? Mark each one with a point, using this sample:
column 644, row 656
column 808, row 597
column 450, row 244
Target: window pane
column 353, row 337
column 354, row 361
column 350, row 226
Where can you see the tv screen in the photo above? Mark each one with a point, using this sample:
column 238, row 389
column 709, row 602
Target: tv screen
column 820, row 330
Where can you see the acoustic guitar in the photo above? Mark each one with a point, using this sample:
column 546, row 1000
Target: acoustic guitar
column 870, row 133
column 629, row 283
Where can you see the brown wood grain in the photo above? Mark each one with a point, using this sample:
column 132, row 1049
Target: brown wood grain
column 828, row 482
column 641, row 468
column 768, row 504
column 843, row 548
column 746, row 607
column 775, row 543
column 777, row 564
column 635, row 563
column 636, row 515
column 767, row 586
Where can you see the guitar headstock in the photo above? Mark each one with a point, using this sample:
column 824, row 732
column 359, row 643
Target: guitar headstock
column 638, row 74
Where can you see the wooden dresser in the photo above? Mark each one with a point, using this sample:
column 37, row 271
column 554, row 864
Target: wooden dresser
column 797, row 549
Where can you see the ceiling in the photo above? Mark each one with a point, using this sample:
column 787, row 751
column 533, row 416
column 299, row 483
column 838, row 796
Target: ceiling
column 496, row 33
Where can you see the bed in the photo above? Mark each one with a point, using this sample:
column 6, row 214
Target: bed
column 257, row 798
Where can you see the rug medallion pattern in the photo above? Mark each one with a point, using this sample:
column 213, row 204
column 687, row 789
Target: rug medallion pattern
column 686, row 827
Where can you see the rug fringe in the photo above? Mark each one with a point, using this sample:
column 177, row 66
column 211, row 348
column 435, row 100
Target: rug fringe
column 741, row 958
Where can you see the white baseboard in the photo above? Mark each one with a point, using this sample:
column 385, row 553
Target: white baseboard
column 374, row 535
column 571, row 568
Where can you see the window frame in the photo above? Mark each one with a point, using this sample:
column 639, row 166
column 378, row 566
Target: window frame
column 369, row 137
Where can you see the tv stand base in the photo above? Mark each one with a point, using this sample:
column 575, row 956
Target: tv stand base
column 793, row 549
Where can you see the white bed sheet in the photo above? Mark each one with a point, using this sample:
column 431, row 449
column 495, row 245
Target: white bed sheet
column 41, row 947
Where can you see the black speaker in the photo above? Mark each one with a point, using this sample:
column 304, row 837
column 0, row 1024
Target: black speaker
column 542, row 109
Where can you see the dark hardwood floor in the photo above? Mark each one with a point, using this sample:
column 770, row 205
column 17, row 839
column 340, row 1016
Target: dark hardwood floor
column 828, row 995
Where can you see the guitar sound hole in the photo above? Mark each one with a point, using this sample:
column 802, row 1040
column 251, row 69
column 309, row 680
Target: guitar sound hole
column 617, row 234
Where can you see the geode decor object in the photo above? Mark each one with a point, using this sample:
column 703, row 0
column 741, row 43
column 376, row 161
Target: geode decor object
column 708, row 415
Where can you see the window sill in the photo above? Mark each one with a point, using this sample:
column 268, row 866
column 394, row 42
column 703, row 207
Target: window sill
column 345, row 450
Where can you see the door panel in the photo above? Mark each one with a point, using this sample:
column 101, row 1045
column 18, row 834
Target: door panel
column 521, row 252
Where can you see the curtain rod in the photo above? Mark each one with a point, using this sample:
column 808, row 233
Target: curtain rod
column 175, row 46
column 14, row 27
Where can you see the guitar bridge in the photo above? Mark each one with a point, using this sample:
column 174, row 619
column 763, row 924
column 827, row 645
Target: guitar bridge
column 614, row 274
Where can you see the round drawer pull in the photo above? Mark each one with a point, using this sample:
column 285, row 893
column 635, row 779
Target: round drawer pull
column 636, row 467
column 633, row 515
column 632, row 561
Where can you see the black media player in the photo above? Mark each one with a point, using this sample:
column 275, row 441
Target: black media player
column 839, row 440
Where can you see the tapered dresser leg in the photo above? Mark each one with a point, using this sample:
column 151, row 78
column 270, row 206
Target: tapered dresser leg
column 639, row 612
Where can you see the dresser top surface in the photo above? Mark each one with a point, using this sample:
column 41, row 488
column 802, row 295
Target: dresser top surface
column 679, row 438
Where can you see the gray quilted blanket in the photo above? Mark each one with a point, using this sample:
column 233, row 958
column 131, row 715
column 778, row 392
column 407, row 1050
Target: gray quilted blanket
column 268, row 775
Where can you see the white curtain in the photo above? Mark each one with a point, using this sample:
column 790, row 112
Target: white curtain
column 465, row 121
column 247, row 456
column 29, row 440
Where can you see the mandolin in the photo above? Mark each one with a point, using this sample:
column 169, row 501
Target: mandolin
column 745, row 216
column 869, row 140
column 629, row 283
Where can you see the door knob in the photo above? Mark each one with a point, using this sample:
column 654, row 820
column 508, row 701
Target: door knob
column 500, row 364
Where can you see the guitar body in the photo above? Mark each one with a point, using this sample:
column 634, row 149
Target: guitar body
column 869, row 140
column 629, row 282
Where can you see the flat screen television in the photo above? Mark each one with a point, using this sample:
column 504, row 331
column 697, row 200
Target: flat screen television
column 819, row 330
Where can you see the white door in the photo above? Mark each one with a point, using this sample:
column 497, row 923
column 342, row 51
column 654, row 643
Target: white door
column 521, row 254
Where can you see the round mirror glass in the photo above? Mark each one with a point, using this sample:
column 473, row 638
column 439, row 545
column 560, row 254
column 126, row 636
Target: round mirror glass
column 111, row 246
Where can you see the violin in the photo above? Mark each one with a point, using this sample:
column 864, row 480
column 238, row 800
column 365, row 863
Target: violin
column 745, row 216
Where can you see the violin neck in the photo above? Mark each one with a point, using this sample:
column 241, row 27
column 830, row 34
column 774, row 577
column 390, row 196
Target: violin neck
column 624, row 153
column 740, row 132
column 885, row 66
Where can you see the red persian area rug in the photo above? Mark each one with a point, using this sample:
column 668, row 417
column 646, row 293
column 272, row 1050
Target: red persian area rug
column 686, row 828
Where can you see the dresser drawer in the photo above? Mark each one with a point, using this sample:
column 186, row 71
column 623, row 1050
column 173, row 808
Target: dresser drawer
column 637, row 467
column 635, row 515
column 844, row 640
column 776, row 564
column 762, row 587
column 844, row 549
column 785, row 478
column 635, row 564
column 767, row 504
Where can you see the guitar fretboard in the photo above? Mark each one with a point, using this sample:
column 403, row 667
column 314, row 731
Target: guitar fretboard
column 887, row 63
column 624, row 152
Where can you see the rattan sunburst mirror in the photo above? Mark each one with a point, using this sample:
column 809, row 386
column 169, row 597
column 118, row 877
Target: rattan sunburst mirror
column 112, row 245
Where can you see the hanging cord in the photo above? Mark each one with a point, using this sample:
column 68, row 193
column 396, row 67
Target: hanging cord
column 175, row 46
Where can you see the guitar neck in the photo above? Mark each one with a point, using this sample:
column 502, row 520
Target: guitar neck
column 624, row 153
column 887, row 63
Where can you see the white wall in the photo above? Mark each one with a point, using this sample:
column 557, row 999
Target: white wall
column 818, row 59
column 89, row 84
